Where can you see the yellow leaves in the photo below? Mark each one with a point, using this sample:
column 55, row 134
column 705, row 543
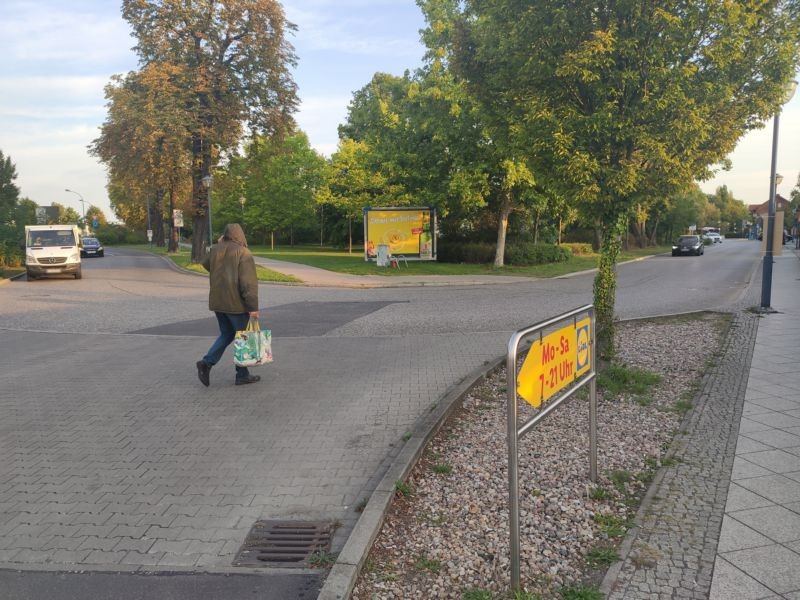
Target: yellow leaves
column 590, row 58
column 516, row 173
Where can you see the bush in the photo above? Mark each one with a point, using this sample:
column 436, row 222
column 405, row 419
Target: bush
column 465, row 252
column 535, row 254
column 10, row 254
column 517, row 253
column 579, row 249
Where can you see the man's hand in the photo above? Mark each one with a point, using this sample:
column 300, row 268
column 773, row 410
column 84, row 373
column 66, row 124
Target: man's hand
column 254, row 314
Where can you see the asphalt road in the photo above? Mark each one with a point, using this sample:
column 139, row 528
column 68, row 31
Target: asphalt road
column 104, row 427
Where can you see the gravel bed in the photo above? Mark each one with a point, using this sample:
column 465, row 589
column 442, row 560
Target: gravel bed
column 449, row 535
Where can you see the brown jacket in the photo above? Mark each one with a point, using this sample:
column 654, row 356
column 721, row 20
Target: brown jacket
column 232, row 274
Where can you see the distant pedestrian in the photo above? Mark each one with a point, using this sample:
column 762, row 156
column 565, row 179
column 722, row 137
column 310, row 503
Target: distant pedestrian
column 233, row 297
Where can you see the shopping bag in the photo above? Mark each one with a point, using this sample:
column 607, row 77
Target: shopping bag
column 252, row 346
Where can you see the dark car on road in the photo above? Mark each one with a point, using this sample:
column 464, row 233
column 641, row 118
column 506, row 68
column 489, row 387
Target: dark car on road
column 688, row 244
column 91, row 247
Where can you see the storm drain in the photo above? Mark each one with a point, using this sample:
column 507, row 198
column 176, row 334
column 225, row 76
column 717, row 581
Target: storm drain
column 283, row 543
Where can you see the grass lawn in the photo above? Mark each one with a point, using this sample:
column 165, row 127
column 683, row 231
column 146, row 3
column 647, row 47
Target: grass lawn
column 8, row 272
column 183, row 259
column 341, row 261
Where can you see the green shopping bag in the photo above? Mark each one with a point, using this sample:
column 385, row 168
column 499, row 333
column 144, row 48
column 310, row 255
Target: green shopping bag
column 252, row 346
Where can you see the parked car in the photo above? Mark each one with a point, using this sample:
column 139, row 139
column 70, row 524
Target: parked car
column 91, row 246
column 688, row 244
column 714, row 237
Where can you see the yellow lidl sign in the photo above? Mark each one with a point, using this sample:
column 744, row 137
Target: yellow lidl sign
column 554, row 362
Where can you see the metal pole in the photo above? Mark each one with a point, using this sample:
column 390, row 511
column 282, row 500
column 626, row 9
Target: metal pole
column 766, row 272
column 593, row 408
column 513, row 467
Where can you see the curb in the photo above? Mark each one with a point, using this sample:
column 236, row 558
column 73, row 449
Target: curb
column 680, row 445
column 342, row 576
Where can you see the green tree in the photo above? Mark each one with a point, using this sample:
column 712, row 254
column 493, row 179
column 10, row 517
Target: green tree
column 143, row 143
column 350, row 184
column 618, row 100
column 9, row 192
column 731, row 211
column 277, row 178
column 236, row 62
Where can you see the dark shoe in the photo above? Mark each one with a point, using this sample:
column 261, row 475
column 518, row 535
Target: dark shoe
column 203, row 370
column 247, row 379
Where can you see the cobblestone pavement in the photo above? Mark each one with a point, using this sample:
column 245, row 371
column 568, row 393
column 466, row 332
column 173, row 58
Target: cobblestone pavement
column 115, row 458
column 699, row 534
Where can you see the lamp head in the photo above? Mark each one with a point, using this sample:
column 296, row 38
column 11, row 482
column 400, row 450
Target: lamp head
column 791, row 88
column 778, row 178
column 207, row 180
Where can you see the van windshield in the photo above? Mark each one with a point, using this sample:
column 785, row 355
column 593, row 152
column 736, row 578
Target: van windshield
column 51, row 237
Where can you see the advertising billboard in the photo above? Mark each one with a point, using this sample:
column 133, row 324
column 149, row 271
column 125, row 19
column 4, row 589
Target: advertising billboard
column 409, row 232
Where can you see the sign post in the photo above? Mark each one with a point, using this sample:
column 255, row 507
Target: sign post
column 559, row 362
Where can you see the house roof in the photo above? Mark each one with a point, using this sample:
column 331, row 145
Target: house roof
column 762, row 210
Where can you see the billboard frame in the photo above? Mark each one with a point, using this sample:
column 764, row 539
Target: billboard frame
column 371, row 250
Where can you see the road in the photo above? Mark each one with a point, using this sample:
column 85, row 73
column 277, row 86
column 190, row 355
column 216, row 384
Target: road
column 117, row 459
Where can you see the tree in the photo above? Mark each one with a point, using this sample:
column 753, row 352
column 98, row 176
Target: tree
column 144, row 144
column 235, row 61
column 350, row 184
column 619, row 100
column 277, row 179
column 9, row 192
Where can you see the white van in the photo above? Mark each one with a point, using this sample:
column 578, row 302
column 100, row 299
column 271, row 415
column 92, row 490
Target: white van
column 52, row 250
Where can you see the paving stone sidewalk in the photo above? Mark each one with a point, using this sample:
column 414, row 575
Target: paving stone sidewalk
column 723, row 522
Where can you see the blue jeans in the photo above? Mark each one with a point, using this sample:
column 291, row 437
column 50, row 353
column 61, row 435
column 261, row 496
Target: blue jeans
column 229, row 324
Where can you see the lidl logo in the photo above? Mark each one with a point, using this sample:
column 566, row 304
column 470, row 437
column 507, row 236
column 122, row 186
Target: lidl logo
column 583, row 358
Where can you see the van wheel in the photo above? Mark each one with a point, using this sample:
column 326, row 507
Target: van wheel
column 30, row 275
column 78, row 273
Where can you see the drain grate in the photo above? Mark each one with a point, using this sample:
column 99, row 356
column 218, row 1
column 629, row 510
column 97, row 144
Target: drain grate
column 283, row 543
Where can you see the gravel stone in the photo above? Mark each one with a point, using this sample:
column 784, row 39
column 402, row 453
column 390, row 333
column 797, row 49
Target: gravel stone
column 451, row 534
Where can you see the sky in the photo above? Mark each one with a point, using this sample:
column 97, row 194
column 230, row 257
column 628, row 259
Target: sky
column 57, row 57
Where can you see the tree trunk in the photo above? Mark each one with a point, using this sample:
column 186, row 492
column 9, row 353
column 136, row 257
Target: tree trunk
column 350, row 232
column 272, row 239
column 201, row 163
column 502, row 228
column 158, row 218
column 536, row 228
column 654, row 233
column 605, row 288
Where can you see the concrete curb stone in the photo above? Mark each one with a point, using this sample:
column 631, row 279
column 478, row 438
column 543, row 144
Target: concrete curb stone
column 671, row 549
column 341, row 580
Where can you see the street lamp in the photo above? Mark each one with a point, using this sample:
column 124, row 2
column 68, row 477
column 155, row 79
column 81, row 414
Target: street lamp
column 83, row 207
column 766, row 272
column 242, row 200
column 207, row 184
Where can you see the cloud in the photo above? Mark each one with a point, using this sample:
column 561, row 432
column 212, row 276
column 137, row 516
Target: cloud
column 328, row 26
column 34, row 35
column 319, row 117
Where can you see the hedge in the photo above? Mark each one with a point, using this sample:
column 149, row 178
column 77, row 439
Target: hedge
column 518, row 254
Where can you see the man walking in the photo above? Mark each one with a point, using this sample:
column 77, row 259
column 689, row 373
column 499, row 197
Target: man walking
column 233, row 297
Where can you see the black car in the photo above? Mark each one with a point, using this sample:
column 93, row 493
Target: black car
column 688, row 244
column 91, row 247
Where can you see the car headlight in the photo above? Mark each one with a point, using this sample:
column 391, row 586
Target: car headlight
column 30, row 259
column 75, row 257
column 696, row 246
column 674, row 247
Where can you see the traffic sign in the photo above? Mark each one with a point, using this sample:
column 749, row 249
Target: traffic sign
column 554, row 362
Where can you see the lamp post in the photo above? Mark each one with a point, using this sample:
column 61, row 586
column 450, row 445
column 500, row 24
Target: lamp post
column 242, row 200
column 766, row 272
column 207, row 183
column 83, row 207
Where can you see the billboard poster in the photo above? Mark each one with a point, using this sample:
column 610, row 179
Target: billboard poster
column 409, row 232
